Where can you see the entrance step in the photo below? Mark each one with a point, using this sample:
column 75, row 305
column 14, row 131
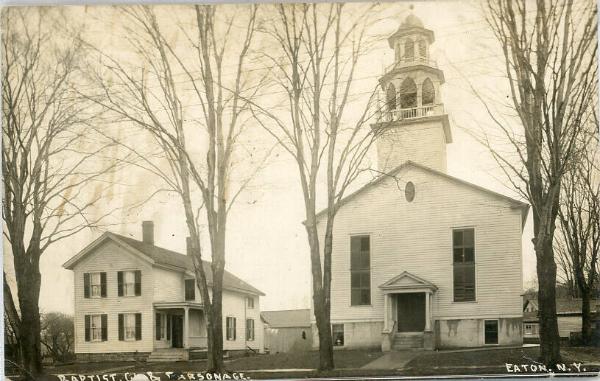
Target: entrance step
column 408, row 340
column 168, row 355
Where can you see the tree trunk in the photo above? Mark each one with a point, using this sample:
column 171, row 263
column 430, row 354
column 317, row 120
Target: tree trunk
column 28, row 283
column 324, row 327
column 586, row 321
column 546, row 271
column 215, row 360
column 321, row 303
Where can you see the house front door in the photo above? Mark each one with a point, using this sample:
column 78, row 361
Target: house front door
column 177, row 331
column 411, row 312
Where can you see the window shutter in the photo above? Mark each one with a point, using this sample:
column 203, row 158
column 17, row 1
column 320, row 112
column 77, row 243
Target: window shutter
column 168, row 327
column 87, row 327
column 104, row 326
column 157, row 326
column 121, row 328
column 138, row 282
column 103, row 285
column 138, row 326
column 234, row 329
column 86, row 285
column 120, row 283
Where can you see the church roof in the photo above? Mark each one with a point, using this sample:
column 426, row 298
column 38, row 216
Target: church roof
column 411, row 21
column 515, row 203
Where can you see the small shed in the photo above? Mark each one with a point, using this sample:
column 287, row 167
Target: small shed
column 287, row 330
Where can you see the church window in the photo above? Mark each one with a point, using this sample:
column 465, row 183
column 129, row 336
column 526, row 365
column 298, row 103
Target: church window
column 409, row 191
column 422, row 49
column 409, row 51
column 463, row 252
column 428, row 93
column 391, row 97
column 360, row 269
column 408, row 94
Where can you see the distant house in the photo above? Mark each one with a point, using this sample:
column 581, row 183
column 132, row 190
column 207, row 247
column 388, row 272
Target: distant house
column 568, row 312
column 135, row 300
column 287, row 330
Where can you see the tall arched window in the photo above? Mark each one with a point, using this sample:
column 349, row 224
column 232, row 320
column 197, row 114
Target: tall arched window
column 390, row 97
column 408, row 94
column 422, row 49
column 409, row 50
column 428, row 92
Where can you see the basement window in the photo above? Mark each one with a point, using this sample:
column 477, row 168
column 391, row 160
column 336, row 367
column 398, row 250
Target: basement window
column 491, row 332
column 337, row 331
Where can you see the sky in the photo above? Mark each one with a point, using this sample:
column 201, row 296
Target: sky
column 266, row 242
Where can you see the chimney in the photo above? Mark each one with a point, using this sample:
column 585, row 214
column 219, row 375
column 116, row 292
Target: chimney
column 188, row 246
column 148, row 232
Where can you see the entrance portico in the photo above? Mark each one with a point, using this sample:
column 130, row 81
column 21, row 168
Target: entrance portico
column 186, row 324
column 407, row 306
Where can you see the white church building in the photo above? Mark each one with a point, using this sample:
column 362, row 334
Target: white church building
column 422, row 259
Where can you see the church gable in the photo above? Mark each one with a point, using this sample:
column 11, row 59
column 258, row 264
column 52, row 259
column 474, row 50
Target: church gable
column 407, row 281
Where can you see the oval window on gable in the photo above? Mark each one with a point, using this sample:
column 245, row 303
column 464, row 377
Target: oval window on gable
column 409, row 191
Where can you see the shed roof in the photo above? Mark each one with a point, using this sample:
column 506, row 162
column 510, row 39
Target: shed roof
column 287, row 318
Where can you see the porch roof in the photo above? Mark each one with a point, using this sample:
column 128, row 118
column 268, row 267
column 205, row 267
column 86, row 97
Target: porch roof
column 168, row 305
column 407, row 282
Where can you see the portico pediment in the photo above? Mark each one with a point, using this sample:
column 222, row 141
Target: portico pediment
column 407, row 282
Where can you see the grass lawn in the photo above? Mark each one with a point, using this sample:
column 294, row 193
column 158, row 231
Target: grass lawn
column 489, row 361
column 428, row 363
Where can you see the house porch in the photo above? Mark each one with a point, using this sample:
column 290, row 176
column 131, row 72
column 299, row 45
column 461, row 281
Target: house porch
column 179, row 328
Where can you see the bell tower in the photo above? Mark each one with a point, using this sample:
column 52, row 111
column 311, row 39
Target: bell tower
column 413, row 124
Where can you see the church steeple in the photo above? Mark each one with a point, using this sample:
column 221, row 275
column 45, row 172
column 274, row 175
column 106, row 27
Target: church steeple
column 413, row 125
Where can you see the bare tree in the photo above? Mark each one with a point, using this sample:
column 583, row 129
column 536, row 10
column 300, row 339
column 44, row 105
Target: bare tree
column 58, row 335
column 317, row 49
column 579, row 217
column 48, row 166
column 199, row 149
column 550, row 51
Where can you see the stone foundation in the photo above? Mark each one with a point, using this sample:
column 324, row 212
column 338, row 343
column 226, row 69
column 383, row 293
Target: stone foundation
column 114, row 356
column 463, row 333
column 356, row 335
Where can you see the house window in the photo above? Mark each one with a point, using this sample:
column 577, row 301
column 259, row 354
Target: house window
column 250, row 303
column 230, row 328
column 94, row 285
column 130, row 326
column 360, row 258
column 337, row 332
column 528, row 329
column 463, row 252
column 96, row 327
column 491, row 331
column 160, row 321
column 129, row 283
column 190, row 289
column 250, row 329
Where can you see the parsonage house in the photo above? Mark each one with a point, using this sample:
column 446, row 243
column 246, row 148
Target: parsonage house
column 422, row 259
column 135, row 300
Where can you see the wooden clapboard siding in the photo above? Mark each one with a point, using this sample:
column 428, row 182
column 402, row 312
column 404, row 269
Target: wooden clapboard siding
column 111, row 258
column 417, row 237
column 234, row 304
column 170, row 287
column 423, row 143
